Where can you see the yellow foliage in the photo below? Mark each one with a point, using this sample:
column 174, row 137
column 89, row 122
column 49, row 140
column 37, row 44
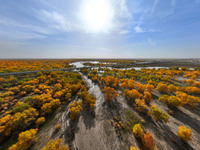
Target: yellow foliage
column 55, row 145
column 40, row 121
column 74, row 109
column 25, row 140
column 184, row 133
column 163, row 88
column 171, row 88
column 134, row 148
column 23, row 93
column 138, row 131
column 158, row 114
column 47, row 107
column 58, row 94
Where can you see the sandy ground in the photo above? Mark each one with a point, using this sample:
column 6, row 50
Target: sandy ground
column 97, row 133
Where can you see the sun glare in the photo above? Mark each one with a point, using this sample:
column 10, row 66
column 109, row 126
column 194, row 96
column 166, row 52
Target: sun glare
column 97, row 15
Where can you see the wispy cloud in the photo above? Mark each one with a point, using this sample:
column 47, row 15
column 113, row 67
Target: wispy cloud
column 138, row 29
column 151, row 42
column 153, row 30
column 124, row 32
column 154, row 5
column 124, row 12
column 29, row 28
column 56, row 20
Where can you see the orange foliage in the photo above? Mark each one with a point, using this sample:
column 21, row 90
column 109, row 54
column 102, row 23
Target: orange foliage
column 147, row 97
column 148, row 141
column 140, row 87
column 123, row 85
column 131, row 84
column 134, row 94
column 149, row 87
column 110, row 93
column 140, row 105
column 163, row 88
column 110, row 81
column 32, row 65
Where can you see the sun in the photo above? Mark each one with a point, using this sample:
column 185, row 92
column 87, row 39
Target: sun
column 97, row 15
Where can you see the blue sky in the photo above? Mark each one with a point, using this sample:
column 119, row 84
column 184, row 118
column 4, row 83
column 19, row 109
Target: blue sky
column 100, row 29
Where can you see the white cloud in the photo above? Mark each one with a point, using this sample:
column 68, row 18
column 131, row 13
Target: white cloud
column 123, row 32
column 151, row 42
column 138, row 29
column 123, row 9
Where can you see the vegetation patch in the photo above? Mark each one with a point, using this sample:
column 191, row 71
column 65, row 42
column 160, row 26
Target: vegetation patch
column 131, row 120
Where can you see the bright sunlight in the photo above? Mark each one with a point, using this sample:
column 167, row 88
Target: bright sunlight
column 97, row 15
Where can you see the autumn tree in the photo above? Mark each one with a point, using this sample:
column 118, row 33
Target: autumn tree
column 171, row 88
column 158, row 115
column 184, row 133
column 138, row 131
column 19, row 119
column 111, row 81
column 57, row 87
column 141, row 105
column 147, row 97
column 131, row 84
column 110, row 93
column 88, row 99
column 85, row 71
column 190, row 81
column 134, row 94
column 148, row 141
column 74, row 109
column 140, row 87
column 47, row 107
column 40, row 121
column 149, row 87
column 174, row 101
column 25, row 140
column 123, row 85
column 163, row 88
column 55, row 145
